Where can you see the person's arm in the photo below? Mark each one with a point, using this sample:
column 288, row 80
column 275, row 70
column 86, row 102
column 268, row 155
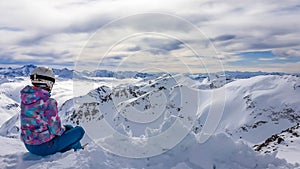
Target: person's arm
column 52, row 118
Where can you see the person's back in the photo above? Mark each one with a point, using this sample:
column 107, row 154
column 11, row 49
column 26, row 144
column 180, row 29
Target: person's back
column 41, row 129
column 39, row 120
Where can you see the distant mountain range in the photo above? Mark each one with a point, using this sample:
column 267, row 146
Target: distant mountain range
column 69, row 74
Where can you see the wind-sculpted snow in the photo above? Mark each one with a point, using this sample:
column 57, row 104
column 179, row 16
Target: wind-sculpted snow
column 218, row 152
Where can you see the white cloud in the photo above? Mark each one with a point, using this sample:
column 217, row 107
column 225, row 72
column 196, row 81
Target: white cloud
column 234, row 26
column 286, row 53
column 267, row 59
column 289, row 67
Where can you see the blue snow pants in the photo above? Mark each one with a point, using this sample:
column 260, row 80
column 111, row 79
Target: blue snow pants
column 70, row 139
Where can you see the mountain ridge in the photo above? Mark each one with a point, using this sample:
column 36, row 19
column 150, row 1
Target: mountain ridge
column 69, row 73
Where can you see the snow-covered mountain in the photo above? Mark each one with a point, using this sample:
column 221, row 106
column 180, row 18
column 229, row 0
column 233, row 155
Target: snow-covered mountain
column 9, row 98
column 287, row 142
column 259, row 124
column 254, row 110
column 18, row 71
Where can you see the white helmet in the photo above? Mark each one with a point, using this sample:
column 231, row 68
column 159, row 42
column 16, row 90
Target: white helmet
column 43, row 77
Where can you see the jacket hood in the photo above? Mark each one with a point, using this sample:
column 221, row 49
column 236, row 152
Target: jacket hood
column 31, row 94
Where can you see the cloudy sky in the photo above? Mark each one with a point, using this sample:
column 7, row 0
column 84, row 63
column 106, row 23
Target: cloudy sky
column 156, row 35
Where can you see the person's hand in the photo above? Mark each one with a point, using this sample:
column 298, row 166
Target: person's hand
column 68, row 126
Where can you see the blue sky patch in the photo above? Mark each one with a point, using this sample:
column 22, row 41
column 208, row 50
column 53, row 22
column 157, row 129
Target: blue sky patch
column 250, row 59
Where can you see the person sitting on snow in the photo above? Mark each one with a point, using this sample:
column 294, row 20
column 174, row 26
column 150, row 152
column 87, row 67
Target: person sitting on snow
column 41, row 128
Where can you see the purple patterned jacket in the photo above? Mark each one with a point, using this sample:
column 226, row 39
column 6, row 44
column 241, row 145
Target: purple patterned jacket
column 39, row 116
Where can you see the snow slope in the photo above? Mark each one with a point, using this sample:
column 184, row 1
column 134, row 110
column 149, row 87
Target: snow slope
column 268, row 105
column 218, row 152
column 287, row 142
column 9, row 99
column 254, row 110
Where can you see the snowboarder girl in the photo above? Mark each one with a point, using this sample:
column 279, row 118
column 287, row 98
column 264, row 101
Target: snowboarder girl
column 41, row 128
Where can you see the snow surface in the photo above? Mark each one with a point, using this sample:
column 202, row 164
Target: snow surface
column 218, row 152
column 281, row 143
column 253, row 110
